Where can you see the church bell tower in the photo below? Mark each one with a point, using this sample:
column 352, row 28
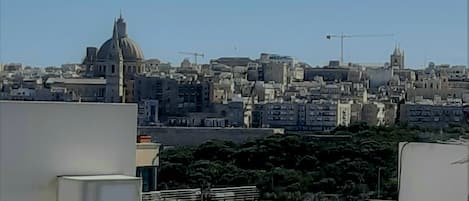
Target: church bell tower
column 397, row 58
column 114, row 70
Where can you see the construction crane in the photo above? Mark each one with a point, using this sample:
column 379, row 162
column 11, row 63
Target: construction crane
column 194, row 54
column 342, row 36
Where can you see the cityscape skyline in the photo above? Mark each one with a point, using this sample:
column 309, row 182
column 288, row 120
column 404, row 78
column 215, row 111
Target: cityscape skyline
column 234, row 100
column 238, row 30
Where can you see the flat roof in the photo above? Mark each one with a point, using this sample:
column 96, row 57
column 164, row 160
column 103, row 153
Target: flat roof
column 64, row 103
column 205, row 128
column 100, row 178
column 97, row 81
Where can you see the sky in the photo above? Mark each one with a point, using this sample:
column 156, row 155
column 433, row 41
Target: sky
column 54, row 32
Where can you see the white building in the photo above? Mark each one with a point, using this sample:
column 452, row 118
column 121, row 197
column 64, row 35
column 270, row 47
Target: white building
column 297, row 74
column 457, row 73
column 71, row 67
column 42, row 141
column 152, row 65
column 319, row 115
column 275, row 58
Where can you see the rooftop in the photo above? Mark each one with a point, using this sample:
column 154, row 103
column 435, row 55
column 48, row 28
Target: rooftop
column 100, row 178
column 97, row 81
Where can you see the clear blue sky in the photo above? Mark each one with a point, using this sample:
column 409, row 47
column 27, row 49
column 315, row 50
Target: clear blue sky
column 52, row 32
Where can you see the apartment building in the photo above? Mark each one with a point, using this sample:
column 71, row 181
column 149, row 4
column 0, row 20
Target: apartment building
column 431, row 115
column 319, row 115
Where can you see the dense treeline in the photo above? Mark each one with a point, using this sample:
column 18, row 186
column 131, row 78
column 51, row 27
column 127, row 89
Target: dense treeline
column 285, row 167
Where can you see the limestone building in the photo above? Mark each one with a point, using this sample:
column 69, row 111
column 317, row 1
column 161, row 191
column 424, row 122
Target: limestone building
column 119, row 60
column 397, row 58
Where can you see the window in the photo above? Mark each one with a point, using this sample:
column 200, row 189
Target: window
column 113, row 69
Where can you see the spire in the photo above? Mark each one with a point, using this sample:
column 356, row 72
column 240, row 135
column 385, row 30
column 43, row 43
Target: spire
column 120, row 14
column 121, row 26
column 116, row 51
column 115, row 32
column 397, row 51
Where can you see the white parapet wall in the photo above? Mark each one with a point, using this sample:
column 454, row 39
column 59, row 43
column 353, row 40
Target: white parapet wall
column 99, row 188
column 40, row 141
column 433, row 172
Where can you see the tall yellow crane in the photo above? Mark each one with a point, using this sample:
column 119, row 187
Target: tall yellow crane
column 342, row 36
column 194, row 54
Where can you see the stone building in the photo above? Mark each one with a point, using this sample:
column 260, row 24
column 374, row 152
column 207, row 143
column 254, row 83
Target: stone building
column 318, row 115
column 119, row 60
column 397, row 58
column 276, row 72
column 431, row 115
column 163, row 89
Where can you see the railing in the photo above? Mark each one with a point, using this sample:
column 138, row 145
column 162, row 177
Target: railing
column 173, row 195
column 242, row 193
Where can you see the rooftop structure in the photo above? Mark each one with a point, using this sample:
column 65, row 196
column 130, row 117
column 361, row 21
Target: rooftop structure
column 48, row 142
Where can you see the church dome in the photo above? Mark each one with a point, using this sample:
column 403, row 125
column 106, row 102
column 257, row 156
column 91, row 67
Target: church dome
column 130, row 50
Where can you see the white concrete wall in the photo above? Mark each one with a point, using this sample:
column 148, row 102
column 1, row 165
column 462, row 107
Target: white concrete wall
column 40, row 141
column 99, row 190
column 429, row 173
column 70, row 190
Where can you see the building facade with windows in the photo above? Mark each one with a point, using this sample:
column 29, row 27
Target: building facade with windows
column 431, row 115
column 314, row 116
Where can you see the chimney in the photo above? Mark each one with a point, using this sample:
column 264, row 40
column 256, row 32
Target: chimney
column 143, row 139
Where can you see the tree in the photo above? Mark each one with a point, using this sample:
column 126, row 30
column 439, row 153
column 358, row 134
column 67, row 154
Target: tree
column 285, row 167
